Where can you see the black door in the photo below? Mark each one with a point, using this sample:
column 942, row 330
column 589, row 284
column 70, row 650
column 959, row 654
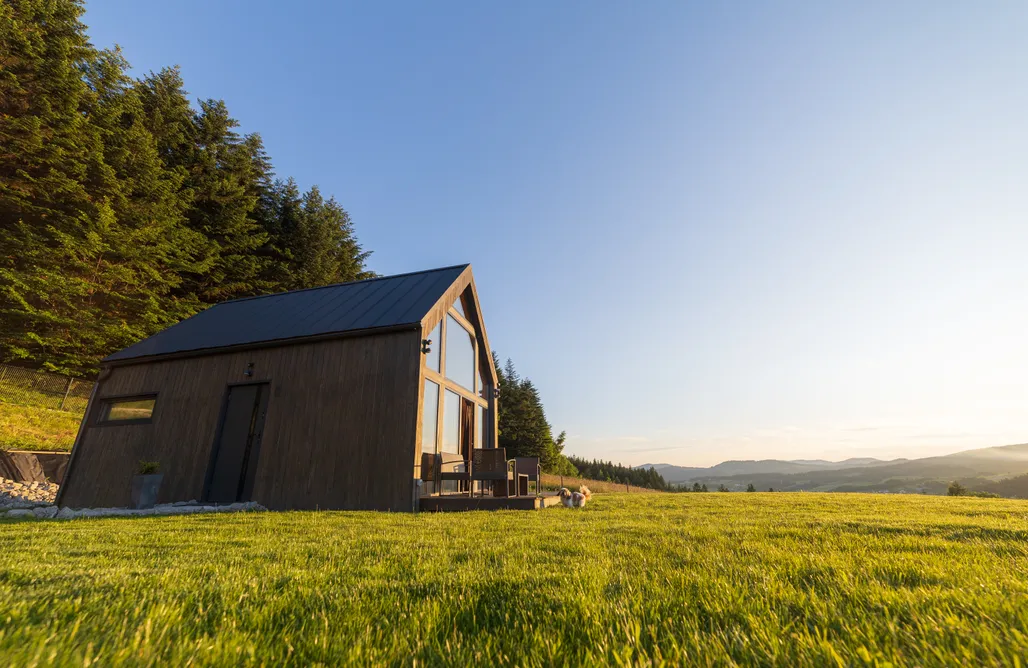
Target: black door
column 238, row 445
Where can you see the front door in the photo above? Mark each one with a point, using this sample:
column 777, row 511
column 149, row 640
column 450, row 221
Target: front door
column 238, row 444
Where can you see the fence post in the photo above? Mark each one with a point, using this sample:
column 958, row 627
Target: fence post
column 67, row 390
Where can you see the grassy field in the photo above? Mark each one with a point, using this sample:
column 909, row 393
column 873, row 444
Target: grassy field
column 33, row 428
column 555, row 482
column 707, row 579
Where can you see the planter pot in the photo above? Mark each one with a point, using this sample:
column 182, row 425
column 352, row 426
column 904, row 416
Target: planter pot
column 144, row 490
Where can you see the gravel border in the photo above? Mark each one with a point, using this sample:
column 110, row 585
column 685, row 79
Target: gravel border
column 180, row 508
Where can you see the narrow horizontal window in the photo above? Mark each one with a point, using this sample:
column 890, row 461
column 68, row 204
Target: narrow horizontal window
column 127, row 410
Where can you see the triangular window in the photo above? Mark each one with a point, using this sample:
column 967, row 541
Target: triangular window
column 459, row 308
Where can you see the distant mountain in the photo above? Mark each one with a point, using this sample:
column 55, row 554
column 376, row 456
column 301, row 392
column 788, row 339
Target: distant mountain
column 673, row 473
column 977, row 469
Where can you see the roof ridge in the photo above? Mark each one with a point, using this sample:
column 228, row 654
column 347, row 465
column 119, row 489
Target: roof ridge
column 336, row 285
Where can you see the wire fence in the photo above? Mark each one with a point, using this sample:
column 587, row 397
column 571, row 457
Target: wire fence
column 43, row 390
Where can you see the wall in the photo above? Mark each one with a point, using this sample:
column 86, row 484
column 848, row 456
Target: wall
column 339, row 431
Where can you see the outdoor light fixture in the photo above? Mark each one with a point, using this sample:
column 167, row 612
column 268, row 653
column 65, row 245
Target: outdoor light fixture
column 249, row 369
column 426, row 346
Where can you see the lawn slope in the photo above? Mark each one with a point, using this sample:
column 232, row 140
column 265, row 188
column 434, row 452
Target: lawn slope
column 34, row 428
column 757, row 579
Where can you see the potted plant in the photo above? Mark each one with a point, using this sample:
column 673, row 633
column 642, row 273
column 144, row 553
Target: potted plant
column 146, row 485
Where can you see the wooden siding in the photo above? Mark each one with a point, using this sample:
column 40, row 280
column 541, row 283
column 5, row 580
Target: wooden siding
column 340, row 432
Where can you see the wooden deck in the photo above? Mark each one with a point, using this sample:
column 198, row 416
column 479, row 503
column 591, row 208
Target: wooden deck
column 460, row 503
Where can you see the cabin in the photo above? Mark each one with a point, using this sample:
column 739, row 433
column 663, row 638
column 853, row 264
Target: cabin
column 319, row 398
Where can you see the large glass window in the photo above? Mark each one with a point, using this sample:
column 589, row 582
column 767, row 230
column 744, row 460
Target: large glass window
column 137, row 409
column 436, row 345
column 480, row 427
column 451, row 422
column 458, row 306
column 429, row 417
column 460, row 354
column 481, row 385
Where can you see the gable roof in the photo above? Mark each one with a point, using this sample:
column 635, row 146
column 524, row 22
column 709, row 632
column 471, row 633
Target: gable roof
column 388, row 301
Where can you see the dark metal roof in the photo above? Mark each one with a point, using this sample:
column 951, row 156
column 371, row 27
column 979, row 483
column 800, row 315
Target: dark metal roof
column 389, row 301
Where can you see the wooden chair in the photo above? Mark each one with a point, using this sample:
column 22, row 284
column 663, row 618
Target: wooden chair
column 428, row 467
column 491, row 464
column 444, row 467
column 454, row 467
column 528, row 468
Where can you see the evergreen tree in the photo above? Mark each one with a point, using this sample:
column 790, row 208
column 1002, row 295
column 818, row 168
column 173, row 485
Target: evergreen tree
column 524, row 431
column 44, row 160
column 89, row 248
column 123, row 209
column 221, row 179
column 619, row 473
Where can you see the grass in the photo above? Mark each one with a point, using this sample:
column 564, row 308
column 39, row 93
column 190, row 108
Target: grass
column 32, row 428
column 707, row 579
column 555, row 482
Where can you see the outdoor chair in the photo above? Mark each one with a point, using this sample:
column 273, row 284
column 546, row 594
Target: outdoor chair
column 491, row 464
column 453, row 467
column 527, row 469
column 444, row 467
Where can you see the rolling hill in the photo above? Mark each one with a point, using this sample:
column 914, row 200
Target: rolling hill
column 674, row 473
column 977, row 469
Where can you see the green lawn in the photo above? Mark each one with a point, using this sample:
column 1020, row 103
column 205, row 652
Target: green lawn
column 32, row 428
column 757, row 579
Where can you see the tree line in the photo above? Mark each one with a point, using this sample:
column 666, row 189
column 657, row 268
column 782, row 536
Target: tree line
column 618, row 473
column 524, row 430
column 124, row 208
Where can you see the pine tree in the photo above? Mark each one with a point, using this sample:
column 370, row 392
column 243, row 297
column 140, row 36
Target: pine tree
column 123, row 209
column 81, row 263
column 524, row 431
column 220, row 177
column 148, row 247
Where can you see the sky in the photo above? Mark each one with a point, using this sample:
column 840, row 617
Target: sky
column 706, row 231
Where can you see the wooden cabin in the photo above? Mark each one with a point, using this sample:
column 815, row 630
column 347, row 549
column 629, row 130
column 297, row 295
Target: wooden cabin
column 319, row 398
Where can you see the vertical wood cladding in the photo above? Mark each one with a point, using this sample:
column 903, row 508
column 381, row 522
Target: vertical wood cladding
column 340, row 429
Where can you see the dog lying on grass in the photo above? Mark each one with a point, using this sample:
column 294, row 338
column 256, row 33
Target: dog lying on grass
column 574, row 499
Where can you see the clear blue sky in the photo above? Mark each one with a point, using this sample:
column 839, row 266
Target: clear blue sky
column 705, row 230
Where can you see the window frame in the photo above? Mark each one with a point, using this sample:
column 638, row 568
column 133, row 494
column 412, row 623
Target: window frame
column 438, row 400
column 439, row 377
column 469, row 331
column 482, row 377
column 104, row 405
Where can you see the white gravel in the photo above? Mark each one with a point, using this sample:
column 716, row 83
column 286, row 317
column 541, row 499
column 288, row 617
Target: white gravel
column 26, row 494
column 36, row 501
